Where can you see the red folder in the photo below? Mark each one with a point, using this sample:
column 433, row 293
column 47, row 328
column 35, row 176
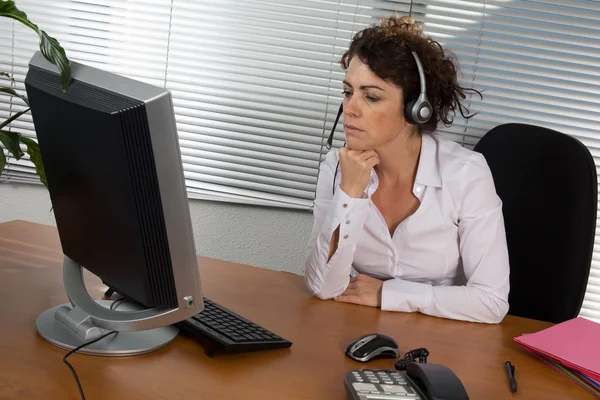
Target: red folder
column 574, row 343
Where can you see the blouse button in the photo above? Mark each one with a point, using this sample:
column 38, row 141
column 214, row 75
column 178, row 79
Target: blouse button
column 345, row 206
column 345, row 236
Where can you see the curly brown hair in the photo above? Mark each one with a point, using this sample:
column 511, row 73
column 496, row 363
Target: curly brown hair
column 387, row 48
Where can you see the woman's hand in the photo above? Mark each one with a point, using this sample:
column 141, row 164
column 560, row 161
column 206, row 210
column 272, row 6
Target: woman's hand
column 362, row 290
column 356, row 168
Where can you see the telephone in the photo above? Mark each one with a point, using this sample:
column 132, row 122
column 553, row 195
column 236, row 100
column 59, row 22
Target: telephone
column 420, row 381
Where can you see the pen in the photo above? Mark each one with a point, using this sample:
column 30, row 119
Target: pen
column 511, row 376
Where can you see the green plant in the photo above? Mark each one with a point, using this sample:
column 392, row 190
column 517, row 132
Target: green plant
column 54, row 53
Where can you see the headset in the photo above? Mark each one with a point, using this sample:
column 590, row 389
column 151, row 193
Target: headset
column 416, row 111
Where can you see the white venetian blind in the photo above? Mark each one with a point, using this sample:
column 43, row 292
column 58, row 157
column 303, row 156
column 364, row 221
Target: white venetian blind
column 250, row 80
column 253, row 83
column 539, row 63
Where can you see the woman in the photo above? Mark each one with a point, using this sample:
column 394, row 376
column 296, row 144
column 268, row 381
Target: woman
column 417, row 216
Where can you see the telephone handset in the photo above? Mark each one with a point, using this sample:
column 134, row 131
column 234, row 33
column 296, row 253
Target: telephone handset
column 420, row 381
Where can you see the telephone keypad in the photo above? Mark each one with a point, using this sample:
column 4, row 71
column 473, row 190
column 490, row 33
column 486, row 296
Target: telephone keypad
column 372, row 384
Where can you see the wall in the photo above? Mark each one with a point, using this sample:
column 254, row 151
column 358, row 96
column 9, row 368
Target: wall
column 265, row 237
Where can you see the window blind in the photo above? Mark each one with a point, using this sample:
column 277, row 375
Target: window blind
column 254, row 102
column 254, row 82
column 251, row 81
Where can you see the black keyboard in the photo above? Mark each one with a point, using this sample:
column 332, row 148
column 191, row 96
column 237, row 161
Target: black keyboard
column 231, row 332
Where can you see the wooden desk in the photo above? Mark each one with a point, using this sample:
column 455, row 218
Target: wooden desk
column 313, row 368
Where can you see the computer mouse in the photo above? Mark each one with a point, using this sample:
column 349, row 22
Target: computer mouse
column 373, row 345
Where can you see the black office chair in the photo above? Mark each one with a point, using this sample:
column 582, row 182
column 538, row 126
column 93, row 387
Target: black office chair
column 548, row 185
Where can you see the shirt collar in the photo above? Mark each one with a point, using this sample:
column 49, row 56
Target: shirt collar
column 428, row 170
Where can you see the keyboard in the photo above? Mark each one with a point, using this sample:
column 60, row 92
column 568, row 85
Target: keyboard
column 231, row 332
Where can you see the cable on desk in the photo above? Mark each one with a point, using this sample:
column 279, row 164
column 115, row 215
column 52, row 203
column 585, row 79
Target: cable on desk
column 112, row 306
column 81, row 347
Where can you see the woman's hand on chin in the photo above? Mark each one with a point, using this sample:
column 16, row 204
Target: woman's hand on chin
column 356, row 168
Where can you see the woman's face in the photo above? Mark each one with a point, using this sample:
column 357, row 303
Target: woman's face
column 373, row 108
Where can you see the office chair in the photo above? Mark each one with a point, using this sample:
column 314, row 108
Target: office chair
column 548, row 185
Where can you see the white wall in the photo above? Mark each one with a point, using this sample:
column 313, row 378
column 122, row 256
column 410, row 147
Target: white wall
column 265, row 237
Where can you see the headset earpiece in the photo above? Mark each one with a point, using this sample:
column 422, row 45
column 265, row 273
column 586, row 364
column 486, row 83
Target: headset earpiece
column 408, row 111
column 419, row 110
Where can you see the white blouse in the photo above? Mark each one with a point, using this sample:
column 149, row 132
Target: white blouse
column 449, row 259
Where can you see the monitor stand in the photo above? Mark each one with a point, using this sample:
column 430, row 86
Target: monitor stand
column 67, row 326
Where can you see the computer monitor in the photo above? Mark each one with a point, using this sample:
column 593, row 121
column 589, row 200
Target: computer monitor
column 111, row 155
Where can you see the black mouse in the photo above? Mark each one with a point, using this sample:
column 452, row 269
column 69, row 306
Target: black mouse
column 374, row 345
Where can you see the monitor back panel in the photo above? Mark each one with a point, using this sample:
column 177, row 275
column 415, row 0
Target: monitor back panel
column 97, row 154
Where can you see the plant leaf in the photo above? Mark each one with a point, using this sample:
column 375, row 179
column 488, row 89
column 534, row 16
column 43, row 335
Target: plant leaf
column 13, row 117
column 54, row 53
column 33, row 149
column 50, row 48
column 6, row 75
column 11, row 140
column 10, row 10
column 12, row 92
column 2, row 160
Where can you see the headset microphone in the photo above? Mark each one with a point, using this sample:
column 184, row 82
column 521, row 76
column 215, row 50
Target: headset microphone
column 330, row 139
